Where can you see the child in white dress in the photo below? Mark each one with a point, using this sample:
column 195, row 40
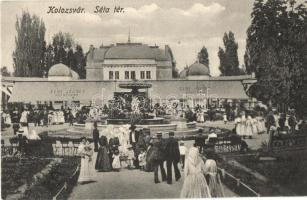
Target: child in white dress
column 142, row 159
column 131, row 157
column 116, row 161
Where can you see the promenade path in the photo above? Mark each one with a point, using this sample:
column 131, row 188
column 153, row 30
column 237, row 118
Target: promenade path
column 129, row 184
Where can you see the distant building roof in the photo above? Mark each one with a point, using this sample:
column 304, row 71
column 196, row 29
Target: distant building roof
column 130, row 51
column 238, row 77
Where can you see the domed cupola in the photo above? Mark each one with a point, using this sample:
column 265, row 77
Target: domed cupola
column 60, row 72
column 198, row 71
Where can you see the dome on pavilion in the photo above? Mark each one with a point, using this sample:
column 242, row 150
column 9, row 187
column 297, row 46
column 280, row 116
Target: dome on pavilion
column 59, row 70
column 198, row 69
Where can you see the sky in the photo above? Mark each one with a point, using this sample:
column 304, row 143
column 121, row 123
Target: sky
column 185, row 25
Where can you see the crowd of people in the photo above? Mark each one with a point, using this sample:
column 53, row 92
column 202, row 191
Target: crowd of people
column 284, row 124
column 249, row 125
column 132, row 148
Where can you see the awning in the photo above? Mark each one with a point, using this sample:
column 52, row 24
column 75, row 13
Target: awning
column 209, row 89
column 54, row 91
column 85, row 91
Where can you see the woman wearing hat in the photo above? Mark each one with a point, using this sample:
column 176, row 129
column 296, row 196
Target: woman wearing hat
column 103, row 160
column 86, row 153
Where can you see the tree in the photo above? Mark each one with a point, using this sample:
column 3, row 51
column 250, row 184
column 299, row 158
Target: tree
column 62, row 51
column 80, row 61
column 229, row 61
column 62, row 43
column 222, row 57
column 276, row 52
column 5, row 71
column 28, row 56
column 49, row 57
column 203, row 56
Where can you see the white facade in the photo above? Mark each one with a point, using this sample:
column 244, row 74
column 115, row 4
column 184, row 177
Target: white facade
column 127, row 61
column 129, row 72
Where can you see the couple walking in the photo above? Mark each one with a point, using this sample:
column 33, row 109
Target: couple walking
column 201, row 179
column 165, row 150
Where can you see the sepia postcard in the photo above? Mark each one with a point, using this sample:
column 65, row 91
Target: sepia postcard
column 153, row 99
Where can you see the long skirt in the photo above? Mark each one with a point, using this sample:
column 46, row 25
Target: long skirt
column 195, row 186
column 240, row 129
column 261, row 126
column 86, row 170
column 249, row 130
column 255, row 128
column 103, row 160
column 215, row 185
column 243, row 128
column 149, row 163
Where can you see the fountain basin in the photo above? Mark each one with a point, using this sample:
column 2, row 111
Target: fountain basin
column 178, row 128
column 153, row 121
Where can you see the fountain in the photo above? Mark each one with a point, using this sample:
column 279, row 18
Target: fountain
column 132, row 107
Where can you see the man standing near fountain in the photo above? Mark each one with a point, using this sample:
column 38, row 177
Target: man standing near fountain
column 133, row 139
column 172, row 156
column 95, row 137
column 157, row 157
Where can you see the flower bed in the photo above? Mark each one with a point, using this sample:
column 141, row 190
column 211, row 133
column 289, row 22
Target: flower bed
column 283, row 178
column 37, row 178
column 289, row 173
column 19, row 171
column 49, row 186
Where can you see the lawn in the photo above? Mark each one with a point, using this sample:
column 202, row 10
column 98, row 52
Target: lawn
column 16, row 172
column 55, row 180
column 289, row 173
column 284, row 177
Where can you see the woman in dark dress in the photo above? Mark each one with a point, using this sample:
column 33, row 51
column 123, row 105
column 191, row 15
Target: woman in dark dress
column 95, row 137
column 103, row 160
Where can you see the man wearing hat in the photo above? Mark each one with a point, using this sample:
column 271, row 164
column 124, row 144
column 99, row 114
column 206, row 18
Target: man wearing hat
column 172, row 155
column 158, row 157
column 199, row 140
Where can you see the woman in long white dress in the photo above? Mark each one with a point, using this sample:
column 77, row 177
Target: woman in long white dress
column 24, row 117
column 255, row 126
column 213, row 178
column 202, row 117
column 238, row 126
column 243, row 125
column 260, row 125
column 195, row 184
column 85, row 150
column 249, row 127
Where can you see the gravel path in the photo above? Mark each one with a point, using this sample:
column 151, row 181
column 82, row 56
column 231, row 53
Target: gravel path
column 128, row 184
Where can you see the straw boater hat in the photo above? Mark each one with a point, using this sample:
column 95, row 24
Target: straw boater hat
column 20, row 130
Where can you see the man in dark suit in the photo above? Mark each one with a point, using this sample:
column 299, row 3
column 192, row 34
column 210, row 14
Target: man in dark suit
column 172, row 155
column 200, row 140
column 95, row 137
column 157, row 157
column 133, row 139
column 133, row 136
